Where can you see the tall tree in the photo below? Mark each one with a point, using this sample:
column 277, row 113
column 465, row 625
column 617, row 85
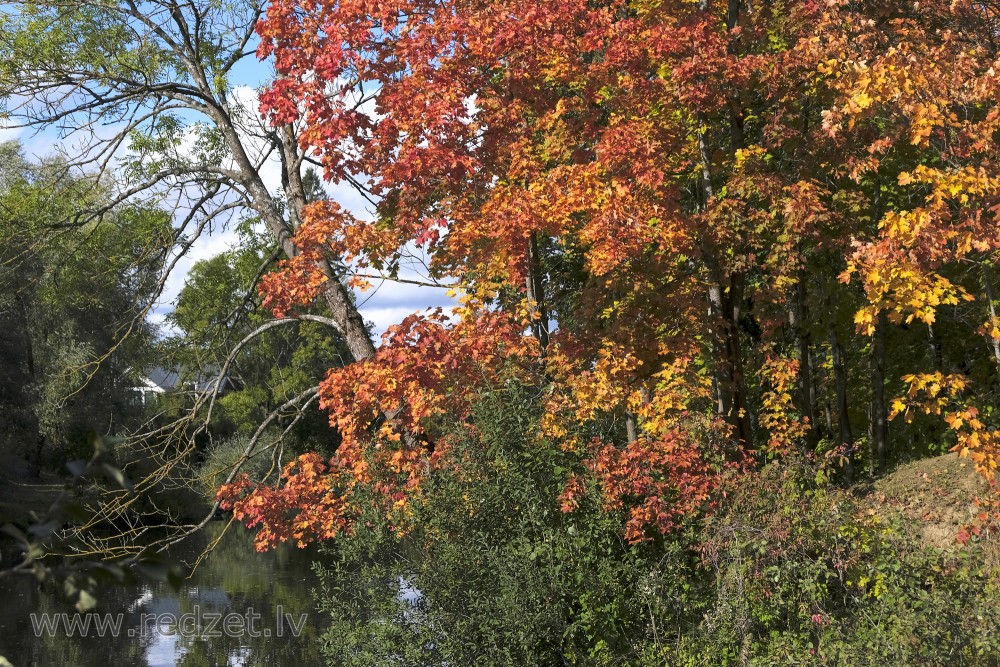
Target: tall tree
column 696, row 162
column 143, row 96
column 144, row 91
column 68, row 370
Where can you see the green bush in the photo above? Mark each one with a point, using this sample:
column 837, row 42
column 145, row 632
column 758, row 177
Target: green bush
column 491, row 572
column 791, row 571
column 221, row 455
column 810, row 575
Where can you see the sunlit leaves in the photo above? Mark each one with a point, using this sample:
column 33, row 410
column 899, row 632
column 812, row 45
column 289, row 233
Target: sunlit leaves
column 694, row 176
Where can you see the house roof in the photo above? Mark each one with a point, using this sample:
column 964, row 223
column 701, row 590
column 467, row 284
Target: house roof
column 163, row 380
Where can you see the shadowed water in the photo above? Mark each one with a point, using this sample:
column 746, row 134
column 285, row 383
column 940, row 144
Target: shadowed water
column 233, row 580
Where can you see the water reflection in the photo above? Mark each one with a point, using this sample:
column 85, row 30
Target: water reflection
column 269, row 593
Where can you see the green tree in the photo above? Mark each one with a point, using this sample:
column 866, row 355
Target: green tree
column 215, row 311
column 73, row 299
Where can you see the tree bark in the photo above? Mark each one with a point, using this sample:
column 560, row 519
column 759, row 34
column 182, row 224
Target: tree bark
column 991, row 309
column 723, row 327
column 798, row 317
column 338, row 299
column 724, row 305
column 937, row 353
column 536, row 293
column 631, row 427
column 35, row 465
column 880, row 421
column 843, row 416
column 729, row 381
column 35, row 456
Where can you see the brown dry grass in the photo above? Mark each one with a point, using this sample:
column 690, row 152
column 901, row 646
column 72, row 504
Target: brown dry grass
column 937, row 497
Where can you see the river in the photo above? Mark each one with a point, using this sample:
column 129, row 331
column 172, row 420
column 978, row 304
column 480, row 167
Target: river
column 240, row 608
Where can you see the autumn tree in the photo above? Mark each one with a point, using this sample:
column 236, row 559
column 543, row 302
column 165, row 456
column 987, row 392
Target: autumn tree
column 708, row 233
column 711, row 218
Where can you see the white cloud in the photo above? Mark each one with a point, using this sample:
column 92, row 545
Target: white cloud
column 386, row 304
column 254, row 132
column 219, row 239
column 388, row 301
column 205, row 247
column 383, row 318
column 9, row 133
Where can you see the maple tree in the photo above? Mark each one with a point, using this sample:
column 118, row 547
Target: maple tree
column 692, row 225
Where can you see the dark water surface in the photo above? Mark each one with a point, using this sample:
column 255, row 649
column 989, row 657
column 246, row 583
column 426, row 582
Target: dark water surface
column 233, row 585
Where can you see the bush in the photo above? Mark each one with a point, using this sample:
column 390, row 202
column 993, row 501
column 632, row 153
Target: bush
column 791, row 570
column 221, row 455
column 490, row 571
column 810, row 575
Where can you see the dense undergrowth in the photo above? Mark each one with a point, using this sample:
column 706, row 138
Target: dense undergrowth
column 791, row 570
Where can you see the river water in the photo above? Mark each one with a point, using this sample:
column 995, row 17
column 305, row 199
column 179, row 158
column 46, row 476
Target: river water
column 257, row 602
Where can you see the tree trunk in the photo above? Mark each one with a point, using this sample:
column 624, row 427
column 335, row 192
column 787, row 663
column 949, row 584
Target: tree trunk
column 843, row 416
column 536, row 293
column 729, row 382
column 991, row 309
column 34, row 456
column 35, row 464
column 935, row 349
column 880, row 422
column 798, row 317
column 349, row 320
column 631, row 427
column 723, row 323
column 724, row 304
column 342, row 308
